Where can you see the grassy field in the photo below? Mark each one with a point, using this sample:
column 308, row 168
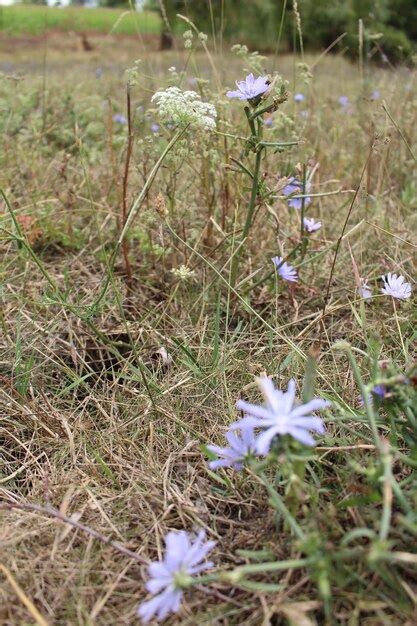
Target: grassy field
column 121, row 363
column 35, row 20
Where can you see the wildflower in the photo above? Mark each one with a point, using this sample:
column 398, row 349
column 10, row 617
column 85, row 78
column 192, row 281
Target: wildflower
column 183, row 272
column 375, row 95
column 295, row 187
column 380, row 391
column 183, row 558
column 299, row 97
column 239, row 449
column 119, row 118
column 311, row 225
column 280, row 416
column 344, row 101
column 250, row 88
column 285, row 270
column 155, row 127
column 364, row 290
column 185, row 108
column 396, row 286
column 99, row 72
column 269, row 121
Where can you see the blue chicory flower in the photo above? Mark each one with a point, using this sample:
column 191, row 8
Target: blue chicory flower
column 155, row 127
column 281, row 416
column 375, row 95
column 119, row 118
column 249, row 88
column 344, row 102
column 239, row 449
column 380, row 391
column 311, row 225
column 269, row 121
column 299, row 97
column 295, row 187
column 285, row 270
column 396, row 286
column 184, row 556
column 364, row 290
column 377, row 391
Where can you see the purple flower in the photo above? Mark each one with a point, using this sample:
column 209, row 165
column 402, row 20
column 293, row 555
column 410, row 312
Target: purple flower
column 299, row 97
column 364, row 290
column 155, row 127
column 239, row 449
column 295, row 187
column 285, row 270
column 375, row 95
column 269, row 121
column 280, row 416
column 183, row 558
column 380, row 391
column 311, row 225
column 396, row 286
column 119, row 118
column 249, row 88
column 344, row 101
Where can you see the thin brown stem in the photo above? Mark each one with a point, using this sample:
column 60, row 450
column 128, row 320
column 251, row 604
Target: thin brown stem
column 50, row 511
column 125, row 242
column 339, row 241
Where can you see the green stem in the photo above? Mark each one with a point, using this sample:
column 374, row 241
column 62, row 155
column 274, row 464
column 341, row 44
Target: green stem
column 249, row 216
column 387, row 494
column 279, row 505
column 254, row 194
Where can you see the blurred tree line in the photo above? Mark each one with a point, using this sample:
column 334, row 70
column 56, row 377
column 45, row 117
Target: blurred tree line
column 389, row 26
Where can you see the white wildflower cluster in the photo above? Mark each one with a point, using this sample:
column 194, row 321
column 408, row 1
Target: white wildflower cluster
column 188, row 38
column 254, row 60
column 185, row 107
column 183, row 272
column 132, row 73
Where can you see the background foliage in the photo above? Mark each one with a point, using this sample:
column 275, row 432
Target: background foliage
column 390, row 26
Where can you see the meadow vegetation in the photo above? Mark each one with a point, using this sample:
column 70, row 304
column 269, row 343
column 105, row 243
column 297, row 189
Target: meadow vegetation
column 36, row 20
column 140, row 303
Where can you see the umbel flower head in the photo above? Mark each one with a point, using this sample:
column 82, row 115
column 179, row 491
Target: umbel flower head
column 250, row 88
column 184, row 557
column 237, row 452
column 185, row 107
column 285, row 270
column 280, row 416
column 396, row 286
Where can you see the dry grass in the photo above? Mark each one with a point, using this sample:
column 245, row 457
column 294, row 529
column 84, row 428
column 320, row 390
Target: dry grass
column 94, row 420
